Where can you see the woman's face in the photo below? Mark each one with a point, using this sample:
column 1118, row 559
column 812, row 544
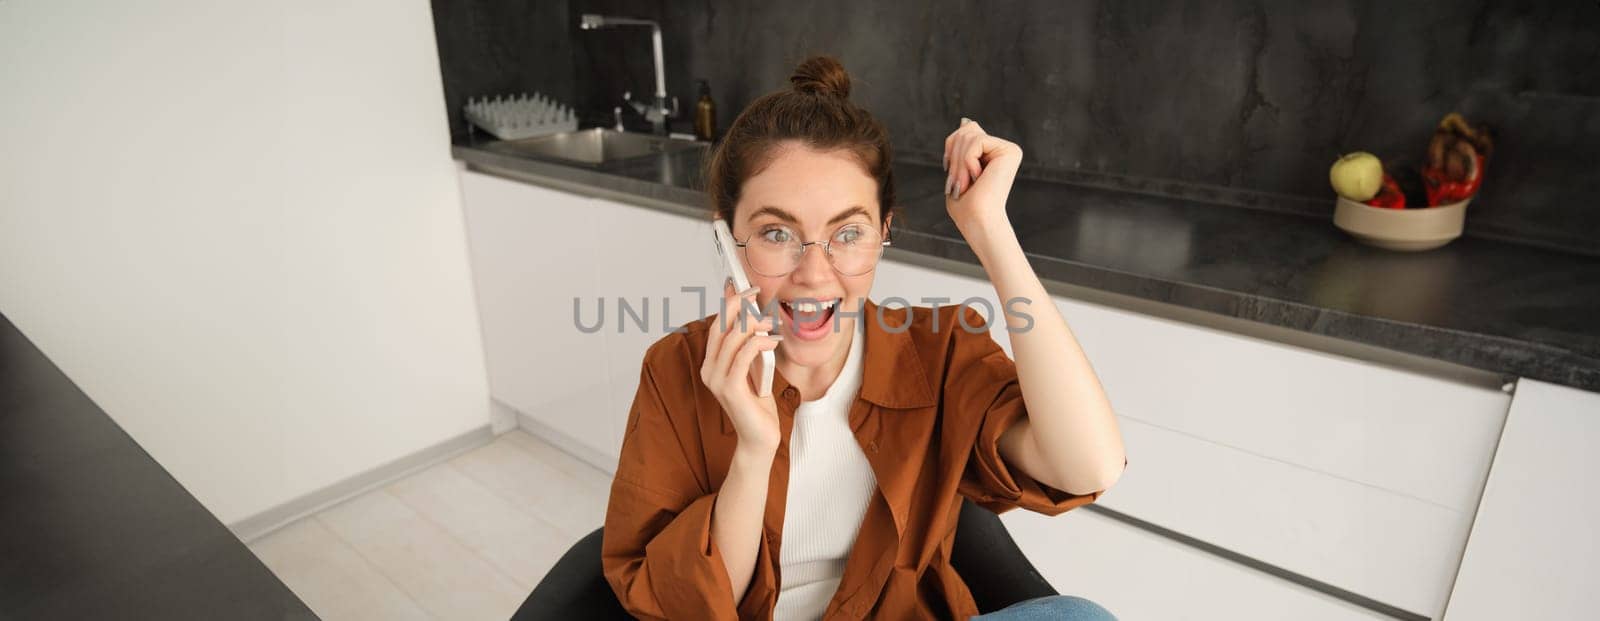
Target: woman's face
column 813, row 194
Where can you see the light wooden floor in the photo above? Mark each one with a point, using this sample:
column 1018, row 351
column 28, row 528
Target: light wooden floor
column 465, row 539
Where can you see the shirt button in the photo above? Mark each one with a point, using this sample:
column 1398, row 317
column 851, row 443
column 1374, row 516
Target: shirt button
column 790, row 392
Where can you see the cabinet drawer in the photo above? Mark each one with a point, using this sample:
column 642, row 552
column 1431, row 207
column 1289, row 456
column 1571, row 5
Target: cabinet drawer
column 1380, row 544
column 1139, row 575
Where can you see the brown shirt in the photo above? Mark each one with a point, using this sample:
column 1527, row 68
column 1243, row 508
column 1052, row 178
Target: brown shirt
column 934, row 401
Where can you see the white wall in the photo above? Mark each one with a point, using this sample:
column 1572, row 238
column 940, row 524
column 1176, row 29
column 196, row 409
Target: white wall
column 236, row 225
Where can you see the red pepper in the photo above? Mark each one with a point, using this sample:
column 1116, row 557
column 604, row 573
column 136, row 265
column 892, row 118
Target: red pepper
column 1442, row 191
column 1389, row 196
column 1453, row 169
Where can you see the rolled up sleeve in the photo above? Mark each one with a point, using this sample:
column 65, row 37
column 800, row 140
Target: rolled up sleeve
column 658, row 552
column 981, row 382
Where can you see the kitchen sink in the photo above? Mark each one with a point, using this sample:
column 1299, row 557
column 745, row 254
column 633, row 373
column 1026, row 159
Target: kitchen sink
column 595, row 146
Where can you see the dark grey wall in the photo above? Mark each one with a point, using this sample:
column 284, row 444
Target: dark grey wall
column 1251, row 95
column 499, row 47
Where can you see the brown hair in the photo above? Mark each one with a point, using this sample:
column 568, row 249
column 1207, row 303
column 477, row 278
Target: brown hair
column 817, row 112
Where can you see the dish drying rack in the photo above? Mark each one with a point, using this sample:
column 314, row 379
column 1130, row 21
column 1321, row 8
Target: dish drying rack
column 513, row 117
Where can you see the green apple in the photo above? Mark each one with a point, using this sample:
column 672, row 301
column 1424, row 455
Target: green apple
column 1357, row 176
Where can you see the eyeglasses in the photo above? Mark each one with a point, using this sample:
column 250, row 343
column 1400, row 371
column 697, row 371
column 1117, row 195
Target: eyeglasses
column 776, row 250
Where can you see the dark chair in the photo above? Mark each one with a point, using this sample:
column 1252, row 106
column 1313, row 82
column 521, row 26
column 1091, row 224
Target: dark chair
column 575, row 588
column 990, row 562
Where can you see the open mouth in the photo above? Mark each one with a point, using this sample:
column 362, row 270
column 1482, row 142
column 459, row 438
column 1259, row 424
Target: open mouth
column 809, row 319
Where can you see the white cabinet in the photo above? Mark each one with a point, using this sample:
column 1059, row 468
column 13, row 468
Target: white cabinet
column 533, row 253
column 1353, row 474
column 563, row 283
column 1535, row 549
column 647, row 259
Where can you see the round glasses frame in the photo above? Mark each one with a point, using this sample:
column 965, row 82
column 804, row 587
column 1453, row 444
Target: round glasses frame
column 827, row 249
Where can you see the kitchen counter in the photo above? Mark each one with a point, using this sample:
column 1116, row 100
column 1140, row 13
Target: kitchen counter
column 1494, row 306
column 95, row 528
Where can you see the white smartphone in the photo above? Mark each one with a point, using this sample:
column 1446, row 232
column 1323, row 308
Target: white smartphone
column 761, row 369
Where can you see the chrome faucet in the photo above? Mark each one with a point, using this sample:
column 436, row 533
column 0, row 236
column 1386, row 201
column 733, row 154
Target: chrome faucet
column 659, row 110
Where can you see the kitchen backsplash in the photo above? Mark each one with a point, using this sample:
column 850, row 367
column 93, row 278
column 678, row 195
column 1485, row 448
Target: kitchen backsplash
column 1256, row 97
column 500, row 47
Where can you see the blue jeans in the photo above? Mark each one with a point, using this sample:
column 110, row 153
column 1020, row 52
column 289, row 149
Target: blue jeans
column 1050, row 608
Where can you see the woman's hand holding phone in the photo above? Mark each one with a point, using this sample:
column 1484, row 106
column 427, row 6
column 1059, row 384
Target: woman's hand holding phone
column 732, row 346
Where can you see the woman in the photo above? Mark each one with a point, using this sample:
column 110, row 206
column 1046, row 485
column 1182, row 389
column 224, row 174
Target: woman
column 837, row 494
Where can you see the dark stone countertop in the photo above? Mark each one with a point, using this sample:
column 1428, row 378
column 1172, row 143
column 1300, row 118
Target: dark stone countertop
column 96, row 529
column 1492, row 305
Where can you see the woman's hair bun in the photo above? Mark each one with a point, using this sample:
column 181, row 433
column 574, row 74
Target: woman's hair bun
column 821, row 75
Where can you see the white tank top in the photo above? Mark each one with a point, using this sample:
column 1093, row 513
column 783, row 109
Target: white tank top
column 830, row 485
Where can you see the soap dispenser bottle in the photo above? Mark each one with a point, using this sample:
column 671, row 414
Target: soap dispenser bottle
column 705, row 115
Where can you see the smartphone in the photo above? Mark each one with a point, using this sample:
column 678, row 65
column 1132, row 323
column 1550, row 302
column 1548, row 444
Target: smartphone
column 761, row 368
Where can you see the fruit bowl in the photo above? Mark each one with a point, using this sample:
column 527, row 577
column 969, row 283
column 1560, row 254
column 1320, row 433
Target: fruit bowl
column 1408, row 230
